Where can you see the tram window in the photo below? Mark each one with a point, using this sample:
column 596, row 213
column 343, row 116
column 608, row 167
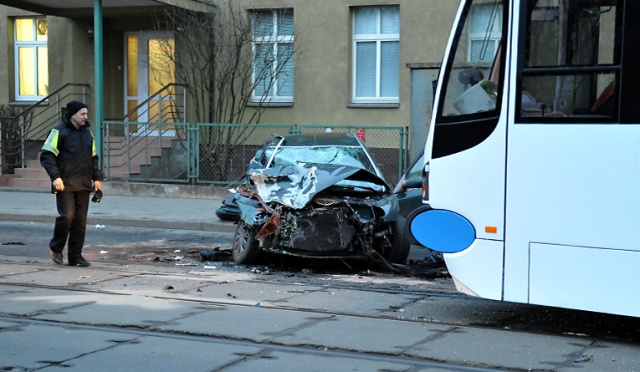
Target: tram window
column 472, row 86
column 571, row 61
column 473, row 79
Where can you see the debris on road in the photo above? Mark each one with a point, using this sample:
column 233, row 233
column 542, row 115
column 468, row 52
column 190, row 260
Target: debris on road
column 214, row 255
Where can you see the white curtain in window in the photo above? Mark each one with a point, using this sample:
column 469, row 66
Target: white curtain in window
column 389, row 73
column 262, row 68
column 285, row 23
column 390, row 20
column 366, row 69
column 376, row 43
column 285, row 77
column 365, row 21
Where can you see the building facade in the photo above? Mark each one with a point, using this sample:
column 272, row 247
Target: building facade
column 355, row 63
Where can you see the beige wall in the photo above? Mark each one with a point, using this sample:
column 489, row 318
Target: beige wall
column 323, row 69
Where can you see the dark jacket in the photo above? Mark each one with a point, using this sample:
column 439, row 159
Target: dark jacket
column 70, row 154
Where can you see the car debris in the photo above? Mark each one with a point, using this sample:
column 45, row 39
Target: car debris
column 215, row 254
column 316, row 196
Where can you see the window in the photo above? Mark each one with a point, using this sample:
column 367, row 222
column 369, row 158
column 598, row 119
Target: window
column 485, row 30
column 571, row 66
column 469, row 106
column 376, row 46
column 474, row 74
column 32, row 75
column 273, row 41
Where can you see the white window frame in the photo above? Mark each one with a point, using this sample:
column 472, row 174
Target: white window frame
column 35, row 44
column 378, row 38
column 277, row 40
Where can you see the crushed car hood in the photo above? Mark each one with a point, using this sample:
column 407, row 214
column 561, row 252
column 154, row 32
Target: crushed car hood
column 295, row 185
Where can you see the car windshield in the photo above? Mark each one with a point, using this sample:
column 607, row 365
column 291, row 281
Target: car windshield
column 336, row 155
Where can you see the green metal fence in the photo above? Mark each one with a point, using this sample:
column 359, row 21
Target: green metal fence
column 218, row 154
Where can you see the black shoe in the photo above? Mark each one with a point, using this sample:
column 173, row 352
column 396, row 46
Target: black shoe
column 79, row 262
column 55, row 257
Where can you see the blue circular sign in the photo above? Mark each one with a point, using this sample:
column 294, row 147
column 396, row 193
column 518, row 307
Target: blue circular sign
column 442, row 230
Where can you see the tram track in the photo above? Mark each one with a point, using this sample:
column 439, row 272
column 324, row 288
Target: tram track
column 521, row 320
column 268, row 347
column 234, row 289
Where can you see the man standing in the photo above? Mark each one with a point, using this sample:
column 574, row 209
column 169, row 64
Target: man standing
column 69, row 157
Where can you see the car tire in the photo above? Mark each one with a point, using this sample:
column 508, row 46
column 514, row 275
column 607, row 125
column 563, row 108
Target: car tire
column 245, row 248
column 400, row 251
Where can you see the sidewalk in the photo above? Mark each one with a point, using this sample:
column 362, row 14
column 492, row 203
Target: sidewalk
column 120, row 210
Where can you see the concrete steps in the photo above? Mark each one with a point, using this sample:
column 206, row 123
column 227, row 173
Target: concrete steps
column 31, row 177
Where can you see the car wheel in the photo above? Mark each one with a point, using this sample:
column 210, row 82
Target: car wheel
column 245, row 246
column 400, row 249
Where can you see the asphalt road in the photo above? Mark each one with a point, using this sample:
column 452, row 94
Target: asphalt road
column 30, row 239
column 347, row 315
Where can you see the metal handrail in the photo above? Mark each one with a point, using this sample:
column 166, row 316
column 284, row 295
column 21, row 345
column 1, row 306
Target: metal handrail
column 45, row 99
column 38, row 104
column 153, row 96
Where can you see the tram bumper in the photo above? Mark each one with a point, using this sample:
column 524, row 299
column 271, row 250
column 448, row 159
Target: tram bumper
column 439, row 229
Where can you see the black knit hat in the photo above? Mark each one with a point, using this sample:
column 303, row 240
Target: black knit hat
column 73, row 107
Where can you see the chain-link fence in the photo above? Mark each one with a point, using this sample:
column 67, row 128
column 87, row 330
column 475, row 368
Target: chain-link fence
column 218, row 154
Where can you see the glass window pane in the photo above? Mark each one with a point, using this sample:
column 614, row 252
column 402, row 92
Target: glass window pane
column 25, row 29
column 132, row 65
column 285, row 76
column 482, row 50
column 285, row 22
column 486, row 18
column 131, row 104
column 389, row 69
column 390, row 19
column 161, row 66
column 263, row 68
column 26, row 66
column 466, row 91
column 569, row 95
column 365, row 20
column 263, row 24
column 366, row 69
column 43, row 71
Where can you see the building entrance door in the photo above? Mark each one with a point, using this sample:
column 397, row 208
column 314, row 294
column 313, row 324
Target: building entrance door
column 149, row 71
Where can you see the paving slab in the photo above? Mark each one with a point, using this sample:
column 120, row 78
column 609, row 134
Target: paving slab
column 124, row 311
column 57, row 276
column 501, row 349
column 458, row 310
column 255, row 292
column 364, row 334
column 606, row 356
column 283, row 361
column 37, row 300
column 149, row 284
column 22, row 347
column 13, row 269
column 349, row 301
column 242, row 322
column 160, row 354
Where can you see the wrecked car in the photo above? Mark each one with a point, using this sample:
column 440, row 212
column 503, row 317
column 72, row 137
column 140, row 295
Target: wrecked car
column 317, row 195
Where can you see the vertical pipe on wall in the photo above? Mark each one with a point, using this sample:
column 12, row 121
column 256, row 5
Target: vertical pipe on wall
column 99, row 97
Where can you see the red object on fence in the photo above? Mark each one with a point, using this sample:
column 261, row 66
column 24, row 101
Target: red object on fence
column 360, row 133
